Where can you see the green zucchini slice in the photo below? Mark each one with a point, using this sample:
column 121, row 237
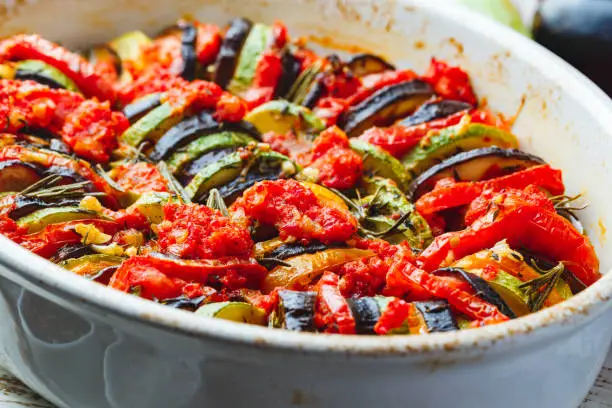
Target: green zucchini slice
column 234, row 311
column 153, row 125
column 255, row 44
column 377, row 162
column 39, row 219
column 281, row 117
column 454, row 139
column 45, row 74
column 90, row 266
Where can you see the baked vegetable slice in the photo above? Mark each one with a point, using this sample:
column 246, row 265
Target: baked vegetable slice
column 435, row 110
column 291, row 68
column 473, row 165
column 366, row 312
column 281, row 117
column 130, row 48
column 153, row 125
column 91, row 266
column 45, row 74
column 232, row 44
column 438, row 316
column 39, row 219
column 377, row 162
column 366, row 64
column 189, row 36
column 295, row 311
column 386, row 106
column 241, row 312
column 449, row 141
column 255, row 44
column 141, row 106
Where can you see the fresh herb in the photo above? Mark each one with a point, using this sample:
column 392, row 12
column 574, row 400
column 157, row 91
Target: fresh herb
column 49, row 190
column 540, row 288
column 173, row 183
column 563, row 202
column 109, row 180
column 216, row 202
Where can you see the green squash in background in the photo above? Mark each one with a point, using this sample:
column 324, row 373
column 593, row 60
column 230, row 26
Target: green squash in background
column 503, row 11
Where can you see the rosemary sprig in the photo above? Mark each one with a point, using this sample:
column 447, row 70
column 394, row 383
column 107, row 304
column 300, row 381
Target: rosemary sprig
column 173, row 183
column 540, row 288
column 563, row 202
column 102, row 173
column 48, row 189
column 216, row 202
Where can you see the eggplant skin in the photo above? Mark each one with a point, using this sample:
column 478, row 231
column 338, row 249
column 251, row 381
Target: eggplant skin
column 184, row 302
column 26, row 205
column 70, row 252
column 435, row 110
column 230, row 50
column 230, row 191
column 482, row 289
column 38, row 77
column 296, row 310
column 204, row 160
column 286, row 251
column 425, row 179
column 385, row 106
column 437, row 315
column 183, row 133
column 137, row 109
column 366, row 313
column 188, row 50
column 291, row 67
column 366, row 64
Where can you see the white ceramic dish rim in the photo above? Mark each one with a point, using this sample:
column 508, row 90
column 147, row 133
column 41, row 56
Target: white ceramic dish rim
column 36, row 272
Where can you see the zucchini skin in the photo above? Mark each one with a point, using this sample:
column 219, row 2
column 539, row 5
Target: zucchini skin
column 229, row 53
column 437, row 315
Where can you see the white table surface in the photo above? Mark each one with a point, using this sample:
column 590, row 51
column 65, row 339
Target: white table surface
column 14, row 394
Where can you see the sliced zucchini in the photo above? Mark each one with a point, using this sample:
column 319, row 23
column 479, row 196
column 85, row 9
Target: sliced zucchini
column 151, row 205
column 301, row 270
column 235, row 311
column 39, row 219
column 366, row 64
column 366, row 312
column 386, row 204
column 438, row 316
column 473, row 165
column 153, row 125
column 295, row 311
column 435, row 110
column 204, row 144
column 377, row 162
column 455, row 139
column 90, row 266
column 189, row 36
column 386, row 106
column 105, row 54
column 204, row 160
column 232, row 44
column 305, row 81
column 24, row 205
column 255, row 44
column 282, row 117
column 45, row 74
column 141, row 106
column 227, row 174
column 291, row 68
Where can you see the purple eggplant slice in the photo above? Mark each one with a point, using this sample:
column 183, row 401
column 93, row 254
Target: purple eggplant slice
column 189, row 37
column 202, row 161
column 386, row 106
column 25, row 205
column 291, row 67
column 229, row 53
column 482, row 288
column 366, row 64
column 473, row 165
column 435, row 110
column 295, row 311
column 366, row 313
column 71, row 251
column 141, row 106
column 16, row 175
column 438, row 316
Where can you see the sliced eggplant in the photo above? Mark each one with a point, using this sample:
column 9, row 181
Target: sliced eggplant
column 282, row 117
column 234, row 311
column 39, row 219
column 189, row 36
column 184, row 132
column 204, row 160
column 291, row 67
column 295, row 311
column 481, row 287
column 254, row 46
column 315, row 92
column 71, row 251
column 142, row 106
column 289, row 250
column 45, row 74
column 366, row 312
column 438, row 316
column 25, row 205
column 301, row 270
column 227, row 59
column 435, row 110
column 473, row 165
column 183, row 302
column 447, row 142
column 386, row 106
column 152, row 125
column 16, row 175
column 366, row 64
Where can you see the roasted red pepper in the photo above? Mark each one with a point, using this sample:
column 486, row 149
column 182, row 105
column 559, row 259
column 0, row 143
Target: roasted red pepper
column 394, row 316
column 333, row 314
column 449, row 194
column 450, row 82
column 524, row 225
column 89, row 81
column 373, row 82
column 140, row 177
